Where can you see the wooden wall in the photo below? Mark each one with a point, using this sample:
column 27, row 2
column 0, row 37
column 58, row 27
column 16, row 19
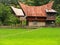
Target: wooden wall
column 36, row 21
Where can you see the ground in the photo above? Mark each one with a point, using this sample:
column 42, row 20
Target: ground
column 40, row 36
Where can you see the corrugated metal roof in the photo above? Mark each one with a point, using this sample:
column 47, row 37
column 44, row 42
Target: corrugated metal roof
column 50, row 10
column 36, row 10
column 17, row 11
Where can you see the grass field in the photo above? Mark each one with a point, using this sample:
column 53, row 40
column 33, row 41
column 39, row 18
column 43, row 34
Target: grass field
column 41, row 36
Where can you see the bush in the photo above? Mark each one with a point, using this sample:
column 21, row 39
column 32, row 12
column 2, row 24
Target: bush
column 58, row 20
column 6, row 16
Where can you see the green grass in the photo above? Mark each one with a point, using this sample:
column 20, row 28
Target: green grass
column 41, row 36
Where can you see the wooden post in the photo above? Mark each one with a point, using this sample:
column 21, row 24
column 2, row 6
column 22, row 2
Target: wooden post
column 21, row 23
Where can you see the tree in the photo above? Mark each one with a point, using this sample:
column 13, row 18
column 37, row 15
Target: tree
column 6, row 15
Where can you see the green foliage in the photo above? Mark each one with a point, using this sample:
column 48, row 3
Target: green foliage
column 35, row 2
column 58, row 19
column 39, row 2
column 8, row 2
column 6, row 16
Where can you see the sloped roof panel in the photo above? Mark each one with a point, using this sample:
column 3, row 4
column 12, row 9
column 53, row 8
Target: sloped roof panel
column 17, row 11
column 50, row 10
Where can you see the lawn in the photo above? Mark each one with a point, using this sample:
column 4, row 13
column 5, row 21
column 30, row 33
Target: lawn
column 40, row 36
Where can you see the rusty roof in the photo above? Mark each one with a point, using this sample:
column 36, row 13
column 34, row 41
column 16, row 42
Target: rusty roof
column 36, row 10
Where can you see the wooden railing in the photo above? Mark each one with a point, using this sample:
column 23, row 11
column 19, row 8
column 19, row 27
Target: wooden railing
column 51, row 18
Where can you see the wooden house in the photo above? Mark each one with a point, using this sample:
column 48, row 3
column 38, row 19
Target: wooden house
column 39, row 15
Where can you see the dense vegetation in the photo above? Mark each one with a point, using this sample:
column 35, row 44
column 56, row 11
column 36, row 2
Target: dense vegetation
column 6, row 13
column 41, row 36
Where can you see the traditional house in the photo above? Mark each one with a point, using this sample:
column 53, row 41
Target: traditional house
column 38, row 15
